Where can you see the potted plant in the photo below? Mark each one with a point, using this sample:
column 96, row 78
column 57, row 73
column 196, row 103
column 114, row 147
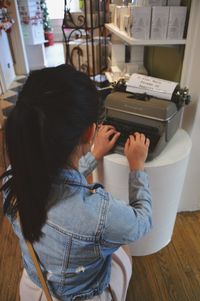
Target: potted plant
column 48, row 32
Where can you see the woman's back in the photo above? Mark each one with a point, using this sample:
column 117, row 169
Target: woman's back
column 70, row 248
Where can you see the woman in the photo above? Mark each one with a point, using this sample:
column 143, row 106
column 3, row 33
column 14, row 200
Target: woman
column 77, row 229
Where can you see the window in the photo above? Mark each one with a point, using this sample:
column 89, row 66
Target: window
column 56, row 8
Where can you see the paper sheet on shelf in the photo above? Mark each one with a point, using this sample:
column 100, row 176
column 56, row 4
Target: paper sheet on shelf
column 153, row 86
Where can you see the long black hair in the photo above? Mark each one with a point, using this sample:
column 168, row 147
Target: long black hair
column 54, row 108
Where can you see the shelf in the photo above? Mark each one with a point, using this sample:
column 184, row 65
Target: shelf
column 131, row 41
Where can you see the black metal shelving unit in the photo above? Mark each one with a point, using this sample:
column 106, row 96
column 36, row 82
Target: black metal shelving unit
column 85, row 36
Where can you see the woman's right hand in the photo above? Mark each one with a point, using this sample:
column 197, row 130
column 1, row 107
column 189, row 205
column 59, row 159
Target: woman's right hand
column 104, row 140
column 136, row 151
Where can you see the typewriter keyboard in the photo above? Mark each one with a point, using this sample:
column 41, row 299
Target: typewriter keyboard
column 127, row 129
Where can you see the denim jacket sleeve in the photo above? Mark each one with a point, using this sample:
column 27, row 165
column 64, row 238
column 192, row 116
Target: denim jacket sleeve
column 87, row 164
column 127, row 223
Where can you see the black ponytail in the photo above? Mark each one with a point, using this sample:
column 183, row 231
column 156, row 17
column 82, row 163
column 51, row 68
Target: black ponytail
column 54, row 109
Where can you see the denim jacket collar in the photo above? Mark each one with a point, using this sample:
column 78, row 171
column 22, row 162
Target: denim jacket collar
column 74, row 178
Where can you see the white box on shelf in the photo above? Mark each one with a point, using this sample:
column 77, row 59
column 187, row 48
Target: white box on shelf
column 127, row 25
column 124, row 11
column 112, row 12
column 176, row 25
column 140, row 20
column 173, row 2
column 117, row 15
column 159, row 22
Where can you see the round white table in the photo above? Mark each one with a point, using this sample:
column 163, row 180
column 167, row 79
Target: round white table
column 166, row 177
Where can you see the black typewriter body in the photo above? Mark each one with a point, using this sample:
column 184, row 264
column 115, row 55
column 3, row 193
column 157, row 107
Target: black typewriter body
column 157, row 119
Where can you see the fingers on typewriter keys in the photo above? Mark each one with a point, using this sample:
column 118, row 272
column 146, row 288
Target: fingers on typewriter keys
column 142, row 137
column 106, row 127
column 147, row 142
column 136, row 135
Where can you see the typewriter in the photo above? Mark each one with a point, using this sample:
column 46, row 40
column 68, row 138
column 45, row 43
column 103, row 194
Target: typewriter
column 158, row 119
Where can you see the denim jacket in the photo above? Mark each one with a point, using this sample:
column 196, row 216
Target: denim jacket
column 84, row 226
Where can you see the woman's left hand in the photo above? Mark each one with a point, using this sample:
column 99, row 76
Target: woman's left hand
column 104, row 141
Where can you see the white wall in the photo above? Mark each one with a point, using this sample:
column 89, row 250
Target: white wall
column 190, row 199
column 28, row 42
column 6, row 61
column 21, row 63
column 36, row 56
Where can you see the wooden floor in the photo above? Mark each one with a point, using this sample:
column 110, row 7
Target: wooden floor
column 174, row 272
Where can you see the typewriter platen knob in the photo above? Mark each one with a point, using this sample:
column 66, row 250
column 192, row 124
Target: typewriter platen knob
column 181, row 96
column 187, row 97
